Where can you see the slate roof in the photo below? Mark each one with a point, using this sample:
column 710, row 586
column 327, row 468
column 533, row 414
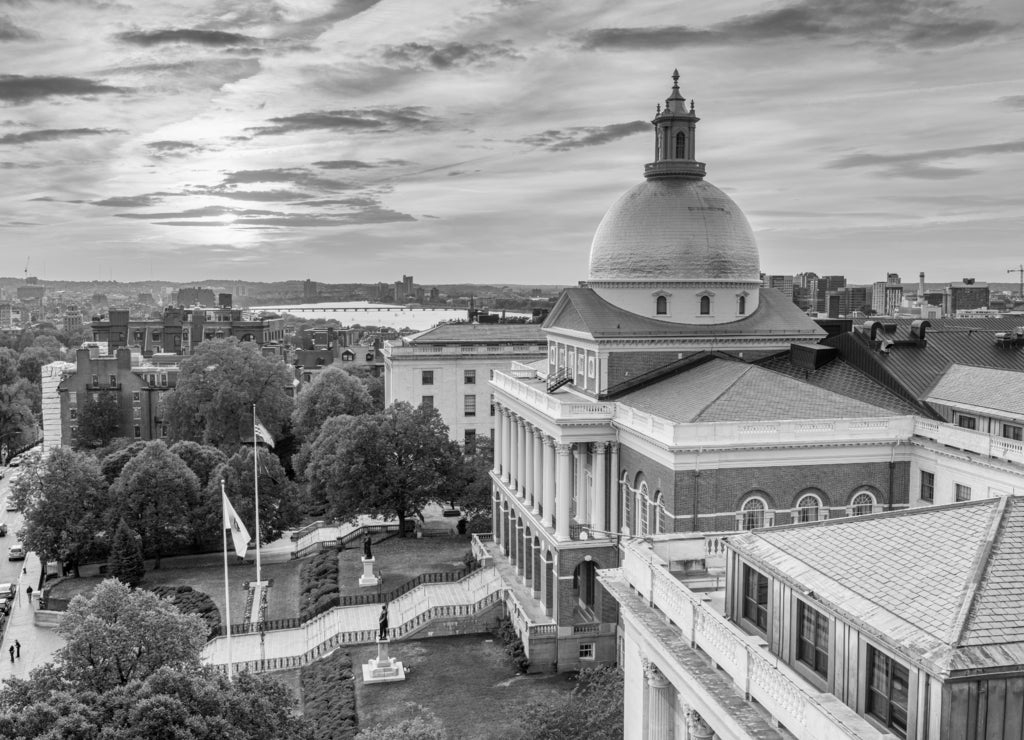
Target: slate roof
column 481, row 334
column 913, row 369
column 583, row 310
column 726, row 390
column 943, row 585
column 842, row 378
column 981, row 386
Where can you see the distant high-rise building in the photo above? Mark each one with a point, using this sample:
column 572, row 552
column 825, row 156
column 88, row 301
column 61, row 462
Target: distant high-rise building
column 886, row 297
column 196, row 297
column 6, row 316
column 782, row 283
column 827, row 284
column 964, row 296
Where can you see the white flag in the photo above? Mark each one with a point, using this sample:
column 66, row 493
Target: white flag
column 239, row 534
column 261, row 434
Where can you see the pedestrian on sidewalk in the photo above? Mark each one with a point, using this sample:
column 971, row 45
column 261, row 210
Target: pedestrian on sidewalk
column 12, row 653
column 17, row 648
column 29, row 592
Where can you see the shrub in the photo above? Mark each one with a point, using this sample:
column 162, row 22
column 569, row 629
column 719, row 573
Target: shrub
column 329, row 697
column 190, row 601
column 506, row 632
column 318, row 584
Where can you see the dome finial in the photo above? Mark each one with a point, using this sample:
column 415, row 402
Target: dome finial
column 675, row 78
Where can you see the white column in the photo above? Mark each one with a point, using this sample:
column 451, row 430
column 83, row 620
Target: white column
column 615, row 499
column 497, row 443
column 549, row 481
column 660, row 705
column 580, row 484
column 563, row 493
column 528, row 462
column 521, row 467
column 600, row 486
column 506, row 445
column 513, row 451
column 538, row 469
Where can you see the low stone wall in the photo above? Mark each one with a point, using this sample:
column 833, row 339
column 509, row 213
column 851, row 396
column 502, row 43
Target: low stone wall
column 47, row 618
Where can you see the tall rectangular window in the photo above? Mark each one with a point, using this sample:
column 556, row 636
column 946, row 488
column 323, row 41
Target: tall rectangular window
column 812, row 643
column 138, row 432
column 888, row 691
column 136, row 396
column 967, row 422
column 1014, row 432
column 427, row 377
column 427, row 402
column 469, row 377
column 113, row 381
column 470, row 405
column 962, row 492
column 927, row 486
column 755, row 597
column 469, row 437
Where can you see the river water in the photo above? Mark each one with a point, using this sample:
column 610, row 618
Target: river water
column 376, row 314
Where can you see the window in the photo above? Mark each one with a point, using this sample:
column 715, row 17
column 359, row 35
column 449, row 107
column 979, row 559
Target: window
column 643, row 510
column 753, row 514
column 927, row 486
column 113, row 381
column 95, row 380
column 163, row 379
column 469, row 404
column 427, row 377
column 863, row 503
column 492, row 404
column 755, row 597
column 427, row 402
column 962, row 492
column 680, row 145
column 888, row 691
column 705, row 306
column 1014, row 432
column 73, row 414
column 469, row 377
column 138, row 432
column 807, row 508
column 136, row 396
column 661, row 305
column 586, row 651
column 812, row 642
column 136, row 413
column 967, row 422
column 163, row 430
column 741, row 305
column 469, row 437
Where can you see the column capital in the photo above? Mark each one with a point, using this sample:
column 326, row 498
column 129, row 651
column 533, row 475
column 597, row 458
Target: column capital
column 538, row 433
column 548, row 441
column 563, row 449
column 696, row 725
column 600, row 448
column 655, row 678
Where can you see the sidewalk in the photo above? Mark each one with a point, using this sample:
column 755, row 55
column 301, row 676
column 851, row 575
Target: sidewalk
column 38, row 644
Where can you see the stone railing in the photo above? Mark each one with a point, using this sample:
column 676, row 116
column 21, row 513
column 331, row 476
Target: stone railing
column 806, row 712
column 480, row 552
column 525, row 627
column 390, row 350
column 551, row 405
column 970, row 440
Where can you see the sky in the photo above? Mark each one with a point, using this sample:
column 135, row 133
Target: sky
column 483, row 140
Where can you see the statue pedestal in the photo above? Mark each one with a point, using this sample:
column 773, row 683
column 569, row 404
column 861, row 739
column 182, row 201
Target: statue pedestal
column 368, row 578
column 383, row 668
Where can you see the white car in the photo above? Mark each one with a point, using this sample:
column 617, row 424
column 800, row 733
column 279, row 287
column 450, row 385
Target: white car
column 16, row 552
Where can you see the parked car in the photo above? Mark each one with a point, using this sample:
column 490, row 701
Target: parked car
column 3, row 529
column 5, row 605
column 16, row 552
column 11, row 506
column 8, row 590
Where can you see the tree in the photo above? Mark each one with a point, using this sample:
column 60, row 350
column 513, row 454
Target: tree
column 126, row 564
column 424, row 726
column 216, row 389
column 333, row 392
column 64, row 511
column 203, row 460
column 114, row 463
column 99, row 421
column 121, row 634
column 152, row 495
column 374, row 384
column 592, row 710
column 471, row 486
column 390, row 464
column 279, row 496
column 17, row 397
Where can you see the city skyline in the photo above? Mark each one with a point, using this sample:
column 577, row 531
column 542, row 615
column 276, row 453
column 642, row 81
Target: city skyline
column 350, row 141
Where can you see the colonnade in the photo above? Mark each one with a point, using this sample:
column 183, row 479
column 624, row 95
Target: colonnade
column 666, row 717
column 547, row 476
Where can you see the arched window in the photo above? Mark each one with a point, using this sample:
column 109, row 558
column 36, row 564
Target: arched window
column 657, row 508
column 808, row 508
column 705, row 305
column 753, row 514
column 863, row 503
column 741, row 307
column 643, row 523
column 680, row 145
column 661, row 305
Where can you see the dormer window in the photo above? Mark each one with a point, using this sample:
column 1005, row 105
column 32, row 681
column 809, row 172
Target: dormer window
column 680, row 145
column 705, row 305
column 741, row 305
column 661, row 305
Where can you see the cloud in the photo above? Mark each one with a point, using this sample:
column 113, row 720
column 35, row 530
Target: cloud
column 185, row 36
column 55, row 134
column 11, row 32
column 128, row 201
column 204, row 212
column 171, row 146
column 922, row 165
column 446, row 56
column 918, row 23
column 301, row 177
column 560, row 140
column 268, row 196
column 21, row 89
column 352, row 119
column 1014, row 101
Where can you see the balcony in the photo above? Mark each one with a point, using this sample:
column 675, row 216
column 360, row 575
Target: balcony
column 559, row 407
column 645, row 588
column 970, row 440
column 452, row 350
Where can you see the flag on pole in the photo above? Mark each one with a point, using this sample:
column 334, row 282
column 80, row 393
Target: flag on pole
column 260, row 433
column 239, row 534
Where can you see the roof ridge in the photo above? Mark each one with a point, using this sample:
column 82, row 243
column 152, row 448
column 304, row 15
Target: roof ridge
column 709, row 404
column 911, row 511
column 978, row 567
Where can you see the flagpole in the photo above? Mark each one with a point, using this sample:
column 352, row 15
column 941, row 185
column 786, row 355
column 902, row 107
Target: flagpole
column 256, row 488
column 227, row 595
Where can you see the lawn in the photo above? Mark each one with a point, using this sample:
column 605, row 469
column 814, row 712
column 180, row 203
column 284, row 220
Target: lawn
column 207, row 575
column 468, row 682
column 402, row 559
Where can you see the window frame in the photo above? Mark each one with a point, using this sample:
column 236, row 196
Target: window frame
column 426, row 377
column 854, row 505
column 469, row 404
column 661, row 305
column 801, row 509
column 1016, row 432
column 927, row 485
column 966, row 421
column 704, row 307
column 809, row 650
column 748, row 512
column 879, row 702
column 427, row 402
column 469, row 377
column 587, row 651
column 755, row 588
column 961, row 492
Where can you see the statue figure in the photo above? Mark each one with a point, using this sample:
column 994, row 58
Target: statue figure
column 367, row 546
column 383, row 621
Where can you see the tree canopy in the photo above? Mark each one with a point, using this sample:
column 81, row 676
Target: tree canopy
column 98, row 421
column 279, row 496
column 333, row 392
column 126, row 563
column 592, row 710
column 216, row 389
column 390, row 464
column 17, row 399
